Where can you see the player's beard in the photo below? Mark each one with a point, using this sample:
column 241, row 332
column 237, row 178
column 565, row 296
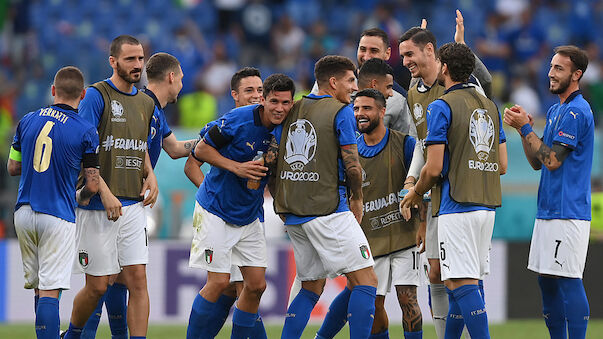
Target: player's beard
column 563, row 85
column 371, row 127
column 129, row 77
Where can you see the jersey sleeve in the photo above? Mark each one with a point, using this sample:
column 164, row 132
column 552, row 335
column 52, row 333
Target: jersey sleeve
column 345, row 126
column 91, row 108
column 568, row 128
column 438, row 122
column 222, row 132
column 16, row 145
column 90, row 141
column 409, row 148
column 502, row 137
column 165, row 128
column 277, row 132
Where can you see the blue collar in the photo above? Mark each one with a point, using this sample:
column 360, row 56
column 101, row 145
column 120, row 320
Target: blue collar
column 458, row 86
column 314, row 96
column 65, row 107
column 572, row 96
column 153, row 96
column 134, row 89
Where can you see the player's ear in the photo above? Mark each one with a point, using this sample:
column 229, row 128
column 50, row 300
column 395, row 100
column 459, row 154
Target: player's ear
column 234, row 95
column 373, row 83
column 333, row 82
column 53, row 91
column 576, row 75
column 388, row 53
column 112, row 61
column 83, row 94
column 171, row 76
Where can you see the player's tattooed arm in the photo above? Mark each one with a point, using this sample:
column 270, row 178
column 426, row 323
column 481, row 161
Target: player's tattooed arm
column 91, row 186
column 177, row 149
column 353, row 170
column 551, row 157
column 13, row 167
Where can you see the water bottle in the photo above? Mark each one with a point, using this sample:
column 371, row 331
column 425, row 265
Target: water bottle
column 251, row 183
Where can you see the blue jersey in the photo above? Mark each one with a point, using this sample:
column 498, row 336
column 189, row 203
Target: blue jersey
column 370, row 151
column 159, row 129
column 52, row 142
column 241, row 136
column 91, row 109
column 438, row 122
column 565, row 192
column 345, row 129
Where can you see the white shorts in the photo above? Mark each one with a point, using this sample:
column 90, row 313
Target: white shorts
column 465, row 240
column 104, row 246
column 432, row 250
column 47, row 247
column 401, row 268
column 559, row 247
column 218, row 246
column 328, row 246
column 235, row 274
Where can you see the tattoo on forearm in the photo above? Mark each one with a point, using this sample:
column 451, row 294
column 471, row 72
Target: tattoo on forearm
column 349, row 155
column 271, row 154
column 543, row 153
column 412, row 319
column 188, row 145
column 92, row 176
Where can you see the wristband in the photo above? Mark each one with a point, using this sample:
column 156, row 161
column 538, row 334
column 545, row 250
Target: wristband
column 15, row 155
column 525, row 130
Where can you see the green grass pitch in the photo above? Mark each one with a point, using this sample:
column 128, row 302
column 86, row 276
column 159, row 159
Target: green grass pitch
column 517, row 329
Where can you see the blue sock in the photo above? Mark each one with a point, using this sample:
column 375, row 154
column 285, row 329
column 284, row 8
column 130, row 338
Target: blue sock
column 116, row 298
column 242, row 324
column 337, row 316
column 361, row 311
column 381, row 335
column 89, row 331
column 454, row 321
column 36, row 300
column 258, row 331
column 576, row 306
column 298, row 314
column 47, row 318
column 413, row 335
column 197, row 322
column 474, row 312
column 480, row 285
column 218, row 317
column 73, row 332
column 553, row 308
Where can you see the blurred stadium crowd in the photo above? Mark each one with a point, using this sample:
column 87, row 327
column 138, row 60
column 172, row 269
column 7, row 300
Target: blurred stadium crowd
column 212, row 39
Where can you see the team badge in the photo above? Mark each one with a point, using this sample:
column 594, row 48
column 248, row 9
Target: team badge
column 117, row 110
column 417, row 111
column 364, row 250
column 481, row 133
column 83, row 259
column 301, row 144
column 209, row 255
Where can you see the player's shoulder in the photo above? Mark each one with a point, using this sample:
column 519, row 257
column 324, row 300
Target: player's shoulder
column 578, row 106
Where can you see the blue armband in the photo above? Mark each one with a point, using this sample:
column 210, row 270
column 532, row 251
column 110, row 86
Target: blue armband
column 526, row 129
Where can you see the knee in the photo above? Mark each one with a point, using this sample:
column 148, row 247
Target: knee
column 97, row 288
column 256, row 287
column 315, row 286
column 136, row 280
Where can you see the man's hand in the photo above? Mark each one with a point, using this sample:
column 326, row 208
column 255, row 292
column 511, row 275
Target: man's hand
column 423, row 23
column 150, row 184
column 112, row 205
column 254, row 170
column 459, row 33
column 516, row 117
column 356, row 208
column 411, row 200
column 80, row 200
column 420, row 238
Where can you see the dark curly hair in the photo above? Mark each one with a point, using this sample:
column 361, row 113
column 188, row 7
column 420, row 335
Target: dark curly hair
column 278, row 83
column 332, row 66
column 372, row 93
column 459, row 59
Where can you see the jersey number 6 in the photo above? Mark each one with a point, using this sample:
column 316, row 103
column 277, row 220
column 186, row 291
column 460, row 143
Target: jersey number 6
column 41, row 158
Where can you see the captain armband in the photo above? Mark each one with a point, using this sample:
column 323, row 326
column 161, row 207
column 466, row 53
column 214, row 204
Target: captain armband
column 525, row 130
column 14, row 154
column 90, row 160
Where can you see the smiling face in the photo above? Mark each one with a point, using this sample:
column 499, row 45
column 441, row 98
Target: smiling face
column 249, row 91
column 129, row 63
column 277, row 105
column 414, row 58
column 560, row 74
column 368, row 114
column 372, row 47
column 344, row 86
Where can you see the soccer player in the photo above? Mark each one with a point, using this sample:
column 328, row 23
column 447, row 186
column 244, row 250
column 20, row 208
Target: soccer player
column 378, row 75
column 111, row 230
column 246, row 89
column 387, row 153
column 164, row 75
column 564, row 156
column 50, row 147
column 228, row 217
column 418, row 50
column 466, row 154
column 316, row 151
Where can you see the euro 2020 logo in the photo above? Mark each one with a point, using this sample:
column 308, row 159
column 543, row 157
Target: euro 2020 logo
column 301, row 144
column 481, row 133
